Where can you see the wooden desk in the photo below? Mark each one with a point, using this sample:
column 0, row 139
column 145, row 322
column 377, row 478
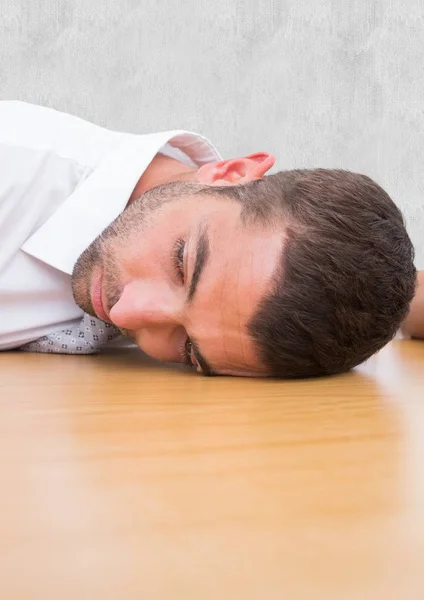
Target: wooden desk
column 121, row 479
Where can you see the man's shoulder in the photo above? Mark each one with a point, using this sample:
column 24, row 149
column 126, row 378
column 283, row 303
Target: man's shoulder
column 27, row 109
column 17, row 110
column 44, row 128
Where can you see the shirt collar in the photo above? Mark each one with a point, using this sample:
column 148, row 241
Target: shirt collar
column 104, row 195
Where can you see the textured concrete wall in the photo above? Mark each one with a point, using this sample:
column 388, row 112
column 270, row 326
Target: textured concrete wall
column 334, row 83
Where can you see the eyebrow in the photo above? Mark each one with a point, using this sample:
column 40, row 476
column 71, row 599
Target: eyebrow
column 202, row 257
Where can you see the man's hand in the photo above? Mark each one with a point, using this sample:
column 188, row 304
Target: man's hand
column 413, row 325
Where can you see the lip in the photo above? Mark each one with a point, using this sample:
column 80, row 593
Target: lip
column 96, row 297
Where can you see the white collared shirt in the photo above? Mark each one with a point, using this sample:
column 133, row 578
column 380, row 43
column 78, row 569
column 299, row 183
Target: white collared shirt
column 62, row 182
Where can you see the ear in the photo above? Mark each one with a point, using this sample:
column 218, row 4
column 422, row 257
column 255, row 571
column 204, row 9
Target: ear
column 236, row 170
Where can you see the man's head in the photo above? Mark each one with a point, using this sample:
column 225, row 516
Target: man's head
column 295, row 274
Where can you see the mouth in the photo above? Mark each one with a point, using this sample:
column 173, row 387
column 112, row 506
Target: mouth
column 96, row 297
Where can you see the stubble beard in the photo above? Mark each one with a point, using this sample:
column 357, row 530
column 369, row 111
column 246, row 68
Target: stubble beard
column 82, row 276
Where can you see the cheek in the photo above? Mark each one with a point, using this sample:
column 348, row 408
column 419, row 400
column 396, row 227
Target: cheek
column 142, row 258
column 147, row 252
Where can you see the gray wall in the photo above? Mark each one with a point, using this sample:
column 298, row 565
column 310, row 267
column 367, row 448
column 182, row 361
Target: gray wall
column 333, row 83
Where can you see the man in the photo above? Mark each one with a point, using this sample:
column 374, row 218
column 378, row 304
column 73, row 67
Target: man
column 194, row 258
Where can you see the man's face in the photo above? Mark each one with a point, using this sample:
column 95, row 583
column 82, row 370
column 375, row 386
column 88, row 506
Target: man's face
column 175, row 268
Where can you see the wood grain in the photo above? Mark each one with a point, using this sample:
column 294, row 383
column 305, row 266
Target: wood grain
column 125, row 479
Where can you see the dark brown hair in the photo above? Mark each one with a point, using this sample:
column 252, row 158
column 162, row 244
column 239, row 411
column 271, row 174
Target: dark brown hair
column 346, row 275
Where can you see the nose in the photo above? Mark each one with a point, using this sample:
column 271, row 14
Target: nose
column 147, row 304
column 153, row 311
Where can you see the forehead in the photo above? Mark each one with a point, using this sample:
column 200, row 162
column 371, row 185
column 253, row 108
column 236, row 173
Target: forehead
column 238, row 275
